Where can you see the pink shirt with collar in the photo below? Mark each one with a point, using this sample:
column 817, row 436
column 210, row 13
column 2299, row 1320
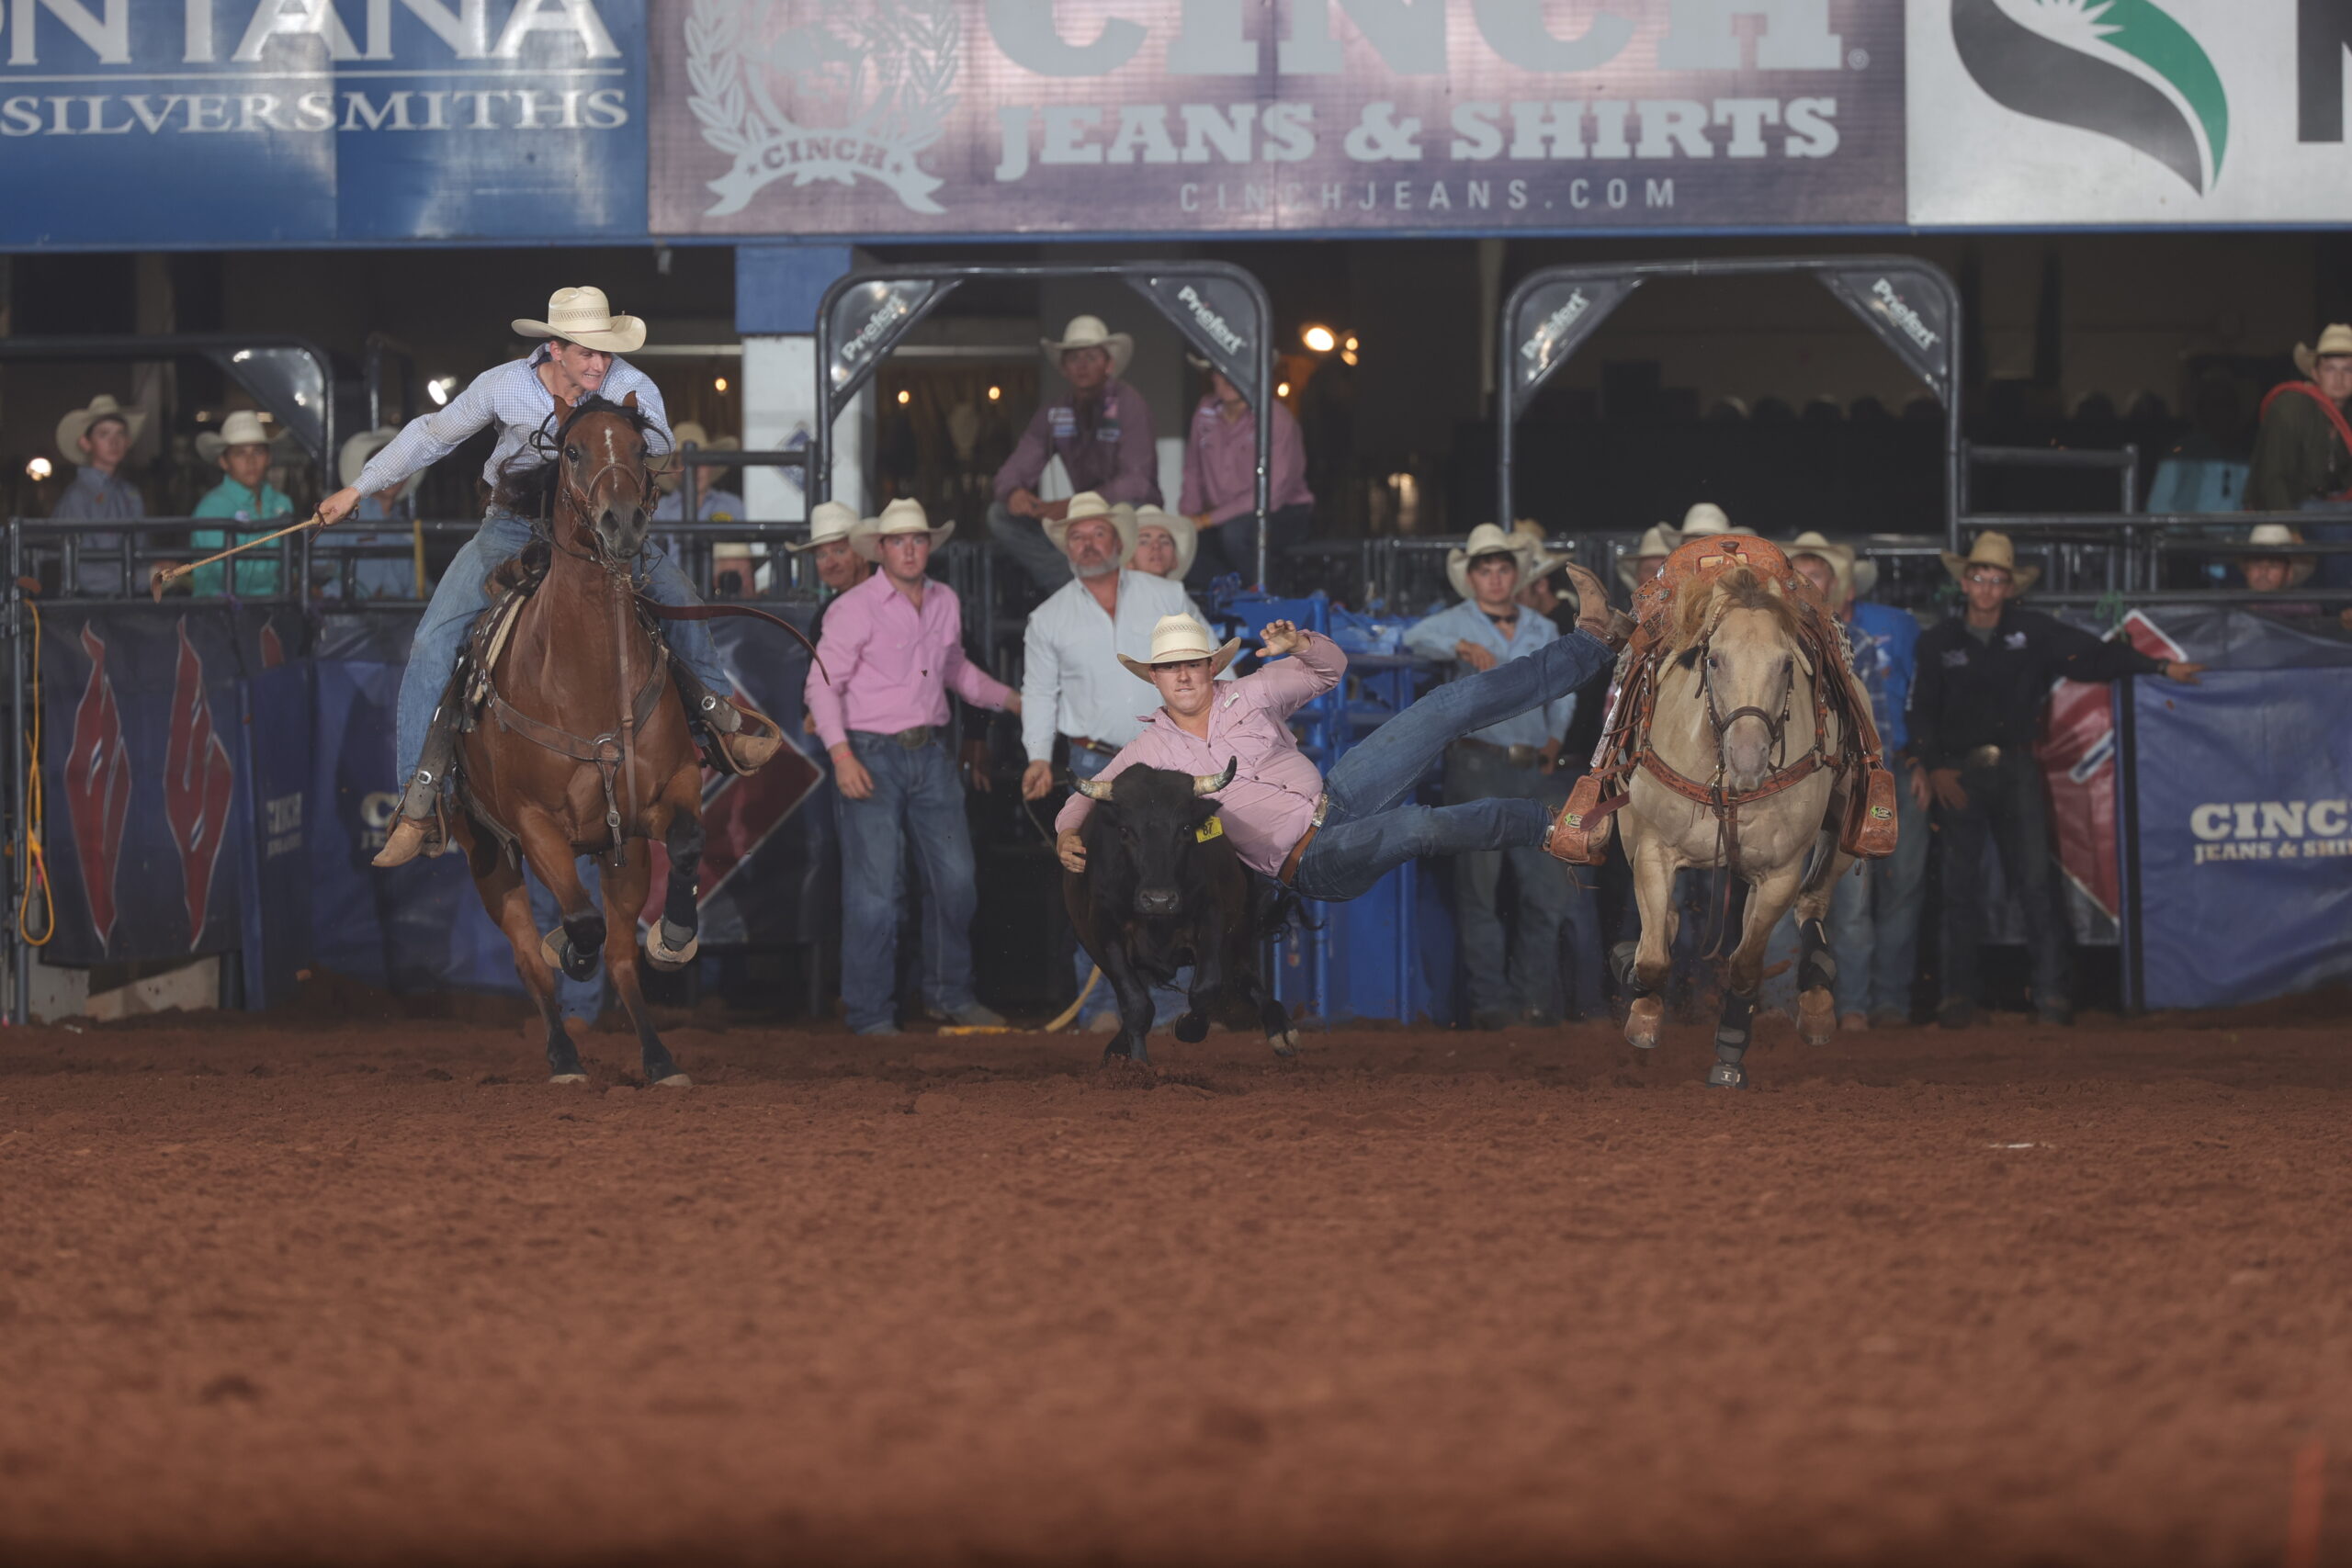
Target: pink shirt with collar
column 888, row 667
column 1272, row 799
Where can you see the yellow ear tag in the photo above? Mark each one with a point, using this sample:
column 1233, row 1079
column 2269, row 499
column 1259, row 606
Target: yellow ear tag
column 1212, row 829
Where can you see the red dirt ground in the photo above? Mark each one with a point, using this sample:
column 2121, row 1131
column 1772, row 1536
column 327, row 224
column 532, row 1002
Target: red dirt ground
column 369, row 1293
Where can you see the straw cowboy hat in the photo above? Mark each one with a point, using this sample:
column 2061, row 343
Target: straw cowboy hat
column 1088, row 332
column 2337, row 338
column 71, row 429
column 1541, row 561
column 1706, row 518
column 672, row 474
column 585, row 316
column 1180, row 528
column 1087, row 503
column 2300, row 563
column 242, row 428
column 1992, row 549
column 1177, row 639
column 1840, row 557
column 1485, row 539
column 904, row 516
column 1661, row 541
column 356, row 452
column 829, row 523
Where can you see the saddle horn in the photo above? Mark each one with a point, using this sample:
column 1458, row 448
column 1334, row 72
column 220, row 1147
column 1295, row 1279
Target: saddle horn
column 1094, row 789
column 1209, row 784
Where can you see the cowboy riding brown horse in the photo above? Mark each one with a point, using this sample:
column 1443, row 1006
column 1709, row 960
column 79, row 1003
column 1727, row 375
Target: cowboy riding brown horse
column 579, row 742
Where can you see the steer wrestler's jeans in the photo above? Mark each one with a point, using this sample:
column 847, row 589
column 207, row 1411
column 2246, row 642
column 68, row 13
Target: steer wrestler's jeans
column 917, row 797
column 2005, row 808
column 1366, row 832
column 458, row 599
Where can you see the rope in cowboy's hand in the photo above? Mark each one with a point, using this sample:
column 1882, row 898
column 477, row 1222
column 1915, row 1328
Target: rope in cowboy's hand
column 37, row 863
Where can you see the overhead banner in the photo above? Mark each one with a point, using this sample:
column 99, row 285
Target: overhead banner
column 970, row 117
column 1910, row 310
column 261, row 122
column 1553, row 317
column 866, row 320
column 2137, row 111
column 1218, row 317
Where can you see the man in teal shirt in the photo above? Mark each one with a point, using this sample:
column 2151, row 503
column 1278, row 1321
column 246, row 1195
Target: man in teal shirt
column 244, row 495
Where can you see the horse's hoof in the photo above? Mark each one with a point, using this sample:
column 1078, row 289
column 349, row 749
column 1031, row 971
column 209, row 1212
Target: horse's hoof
column 675, row 1080
column 1285, row 1044
column 569, row 1077
column 1643, row 1021
column 1816, row 1017
column 1726, row 1075
column 664, row 957
column 551, row 948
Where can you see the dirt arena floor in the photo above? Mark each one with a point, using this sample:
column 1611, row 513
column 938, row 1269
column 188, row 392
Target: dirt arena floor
column 368, row 1292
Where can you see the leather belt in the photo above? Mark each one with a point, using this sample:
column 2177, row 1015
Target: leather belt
column 1298, row 850
column 1517, row 756
column 913, row 739
column 1981, row 757
column 1099, row 748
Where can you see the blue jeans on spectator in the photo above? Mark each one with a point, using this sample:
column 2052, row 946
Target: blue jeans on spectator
column 918, row 800
column 458, row 599
column 1232, row 546
column 1169, row 1002
column 2007, row 814
column 1531, row 976
column 573, row 998
column 1874, row 917
column 1367, row 833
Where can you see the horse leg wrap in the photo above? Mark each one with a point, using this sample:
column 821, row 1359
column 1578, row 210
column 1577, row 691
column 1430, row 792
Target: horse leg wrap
column 669, row 946
column 1731, row 1033
column 1819, row 965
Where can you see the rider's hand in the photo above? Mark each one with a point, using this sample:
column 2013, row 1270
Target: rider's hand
column 1037, row 780
column 850, row 775
column 338, row 506
column 1920, row 796
column 1072, row 850
column 1945, row 781
column 1280, row 637
column 976, row 766
column 1022, row 503
column 2185, row 673
column 1470, row 653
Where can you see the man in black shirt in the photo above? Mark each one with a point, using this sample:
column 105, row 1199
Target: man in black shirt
column 1976, row 711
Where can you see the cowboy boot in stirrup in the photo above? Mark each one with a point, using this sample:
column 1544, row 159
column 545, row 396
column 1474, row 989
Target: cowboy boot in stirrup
column 1595, row 615
column 742, row 739
column 419, row 828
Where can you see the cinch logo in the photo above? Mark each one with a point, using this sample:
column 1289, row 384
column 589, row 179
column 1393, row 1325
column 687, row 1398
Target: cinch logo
column 2121, row 68
column 2272, row 829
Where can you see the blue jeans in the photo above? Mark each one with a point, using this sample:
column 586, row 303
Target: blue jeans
column 458, row 599
column 1366, row 832
column 1875, row 915
column 917, row 798
column 1172, row 1001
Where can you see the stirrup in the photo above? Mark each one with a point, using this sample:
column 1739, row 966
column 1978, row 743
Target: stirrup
column 738, row 739
column 1580, row 833
column 420, row 828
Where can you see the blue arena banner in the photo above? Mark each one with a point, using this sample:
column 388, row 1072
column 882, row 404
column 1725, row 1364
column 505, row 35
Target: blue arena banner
column 274, row 797
column 251, row 123
column 2243, row 833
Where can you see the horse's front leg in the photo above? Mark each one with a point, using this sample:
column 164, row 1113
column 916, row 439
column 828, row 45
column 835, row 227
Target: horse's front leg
column 1653, row 864
column 1768, row 900
column 625, row 892
column 499, row 883
column 672, row 942
column 1817, row 965
column 572, row 945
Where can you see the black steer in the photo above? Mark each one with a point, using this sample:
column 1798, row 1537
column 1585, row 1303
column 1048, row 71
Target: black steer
column 1162, row 889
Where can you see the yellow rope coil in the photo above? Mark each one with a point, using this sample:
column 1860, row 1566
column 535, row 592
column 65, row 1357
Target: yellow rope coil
column 37, row 868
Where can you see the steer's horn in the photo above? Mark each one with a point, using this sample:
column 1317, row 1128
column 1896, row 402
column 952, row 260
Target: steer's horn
column 1209, row 784
column 1094, row 789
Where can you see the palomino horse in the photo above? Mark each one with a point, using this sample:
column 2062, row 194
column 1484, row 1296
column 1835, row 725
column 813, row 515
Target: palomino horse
column 1740, row 772
column 583, row 745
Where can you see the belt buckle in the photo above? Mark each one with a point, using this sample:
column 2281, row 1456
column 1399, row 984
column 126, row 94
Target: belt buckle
column 1521, row 754
column 1984, row 757
column 914, row 740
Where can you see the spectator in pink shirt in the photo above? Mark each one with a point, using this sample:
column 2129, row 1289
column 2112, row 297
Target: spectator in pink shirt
column 893, row 648
column 1100, row 430
column 1333, row 841
column 1221, row 485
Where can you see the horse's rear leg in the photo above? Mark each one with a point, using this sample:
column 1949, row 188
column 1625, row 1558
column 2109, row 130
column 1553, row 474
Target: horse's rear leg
column 625, row 892
column 674, row 938
column 499, row 883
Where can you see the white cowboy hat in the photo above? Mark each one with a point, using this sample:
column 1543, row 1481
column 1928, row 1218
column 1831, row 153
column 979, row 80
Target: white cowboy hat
column 585, row 316
column 1088, row 332
column 1661, row 541
column 2300, row 563
column 242, row 428
column 1865, row 577
column 1485, row 539
column 1087, row 503
column 2335, row 339
column 1541, row 561
column 671, row 475
column 1840, row 557
column 1175, row 640
column 829, row 521
column 353, row 459
column 904, row 516
column 1705, row 518
column 1180, row 528
column 1992, row 549
column 71, row 429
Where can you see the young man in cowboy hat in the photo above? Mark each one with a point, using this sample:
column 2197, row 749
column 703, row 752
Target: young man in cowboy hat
column 1101, row 431
column 1334, row 840
column 2302, row 453
column 1649, row 555
column 1165, row 543
column 241, row 448
column 893, row 648
column 98, row 438
column 378, row 576
column 1070, row 689
column 1976, row 711
column 526, row 399
column 1221, row 484
column 1516, row 758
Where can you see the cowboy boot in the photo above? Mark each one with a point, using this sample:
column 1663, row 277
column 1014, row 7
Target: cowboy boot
column 419, row 828
column 741, row 740
column 1595, row 615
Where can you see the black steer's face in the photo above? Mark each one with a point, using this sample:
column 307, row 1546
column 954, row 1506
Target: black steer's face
column 1149, row 828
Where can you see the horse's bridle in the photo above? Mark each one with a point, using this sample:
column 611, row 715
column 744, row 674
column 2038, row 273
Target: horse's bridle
column 580, row 496
column 1776, row 730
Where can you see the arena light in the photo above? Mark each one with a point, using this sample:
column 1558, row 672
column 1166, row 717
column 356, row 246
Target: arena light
column 995, row 392
column 1319, row 338
column 39, row 468
column 439, row 389
column 718, row 384
column 905, row 397
column 1349, row 344
column 1282, row 389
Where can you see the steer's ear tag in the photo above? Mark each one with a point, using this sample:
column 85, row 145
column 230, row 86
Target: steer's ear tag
column 1212, row 829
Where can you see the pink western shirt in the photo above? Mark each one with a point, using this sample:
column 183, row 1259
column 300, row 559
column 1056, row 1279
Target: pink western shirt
column 1221, row 465
column 888, row 667
column 1272, row 799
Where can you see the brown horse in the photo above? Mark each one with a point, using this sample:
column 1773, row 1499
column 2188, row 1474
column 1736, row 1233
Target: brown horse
column 583, row 746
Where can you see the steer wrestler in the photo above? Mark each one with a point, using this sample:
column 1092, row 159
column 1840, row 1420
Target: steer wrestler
column 1334, row 840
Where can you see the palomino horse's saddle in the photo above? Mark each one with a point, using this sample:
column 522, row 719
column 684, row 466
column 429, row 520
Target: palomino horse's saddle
column 1869, row 827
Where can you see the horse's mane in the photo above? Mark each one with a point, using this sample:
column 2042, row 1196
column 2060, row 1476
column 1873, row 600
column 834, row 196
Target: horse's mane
column 527, row 492
column 1703, row 601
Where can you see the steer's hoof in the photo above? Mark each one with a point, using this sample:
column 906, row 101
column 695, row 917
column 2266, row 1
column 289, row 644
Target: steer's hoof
column 1191, row 1029
column 1643, row 1021
column 1285, row 1044
column 675, row 1080
column 568, row 1078
column 1816, row 1017
column 1726, row 1075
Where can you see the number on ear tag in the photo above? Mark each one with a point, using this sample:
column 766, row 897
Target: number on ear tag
column 1212, row 829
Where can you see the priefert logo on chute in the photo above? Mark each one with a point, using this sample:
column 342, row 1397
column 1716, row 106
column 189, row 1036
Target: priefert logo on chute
column 2272, row 829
